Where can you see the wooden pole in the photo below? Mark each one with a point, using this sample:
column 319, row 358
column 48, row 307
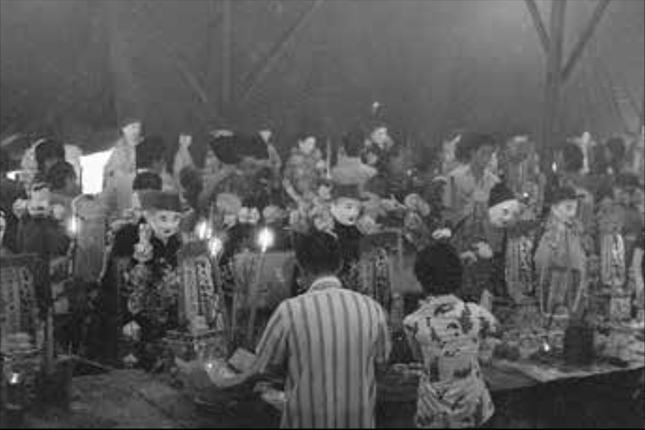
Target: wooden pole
column 210, row 75
column 539, row 24
column 226, row 51
column 553, row 82
column 268, row 65
column 586, row 35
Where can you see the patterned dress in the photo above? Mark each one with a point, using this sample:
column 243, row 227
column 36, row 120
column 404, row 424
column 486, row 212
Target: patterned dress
column 446, row 333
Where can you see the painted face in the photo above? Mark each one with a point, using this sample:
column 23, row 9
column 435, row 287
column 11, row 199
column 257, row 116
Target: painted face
column 380, row 137
column 266, row 135
column 307, row 145
column 505, row 214
column 163, row 223
column 39, row 201
column 566, row 209
column 346, row 210
column 132, row 133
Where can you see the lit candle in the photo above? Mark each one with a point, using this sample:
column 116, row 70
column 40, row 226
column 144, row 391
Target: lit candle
column 215, row 246
column 266, row 238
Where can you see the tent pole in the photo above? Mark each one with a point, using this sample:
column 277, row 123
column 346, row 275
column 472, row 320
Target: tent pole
column 539, row 24
column 553, row 82
column 227, row 39
column 586, row 35
column 277, row 52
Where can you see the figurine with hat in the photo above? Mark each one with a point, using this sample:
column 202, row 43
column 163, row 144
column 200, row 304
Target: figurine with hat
column 153, row 279
column 514, row 274
column 560, row 258
column 619, row 224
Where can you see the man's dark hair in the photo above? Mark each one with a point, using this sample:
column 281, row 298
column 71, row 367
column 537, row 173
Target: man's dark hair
column 150, row 151
column 353, row 142
column 438, row 269
column 147, row 181
column 572, row 157
column 48, row 149
column 318, row 253
column 303, row 135
column 59, row 173
column 470, row 143
column 617, row 148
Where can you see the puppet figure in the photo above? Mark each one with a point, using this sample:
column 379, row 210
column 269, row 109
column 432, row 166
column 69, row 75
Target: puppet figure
column 620, row 224
column 560, row 259
column 304, row 170
column 153, row 281
column 345, row 208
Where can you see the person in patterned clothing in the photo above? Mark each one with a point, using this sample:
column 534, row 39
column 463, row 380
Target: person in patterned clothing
column 445, row 334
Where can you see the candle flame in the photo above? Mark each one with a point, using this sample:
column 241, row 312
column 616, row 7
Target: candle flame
column 266, row 239
column 215, row 246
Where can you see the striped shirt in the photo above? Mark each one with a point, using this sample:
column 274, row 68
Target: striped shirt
column 330, row 340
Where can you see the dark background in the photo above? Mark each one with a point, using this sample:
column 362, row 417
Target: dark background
column 437, row 66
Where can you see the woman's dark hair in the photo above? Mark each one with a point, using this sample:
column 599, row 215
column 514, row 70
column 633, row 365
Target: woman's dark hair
column 192, row 185
column 471, row 142
column 353, row 142
column 572, row 157
column 147, row 181
column 224, row 148
column 318, row 253
column 438, row 269
column 152, row 150
column 303, row 135
column 48, row 149
column 59, row 173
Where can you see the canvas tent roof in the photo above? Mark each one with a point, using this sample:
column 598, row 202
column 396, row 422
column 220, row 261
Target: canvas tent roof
column 435, row 66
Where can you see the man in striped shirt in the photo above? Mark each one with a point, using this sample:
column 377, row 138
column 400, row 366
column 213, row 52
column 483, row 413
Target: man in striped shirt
column 331, row 341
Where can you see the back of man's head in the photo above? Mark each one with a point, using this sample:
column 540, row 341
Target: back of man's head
column 318, row 253
column 147, row 181
column 150, row 152
column 353, row 142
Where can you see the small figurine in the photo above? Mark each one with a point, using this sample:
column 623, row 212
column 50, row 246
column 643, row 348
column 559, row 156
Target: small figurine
column 560, row 259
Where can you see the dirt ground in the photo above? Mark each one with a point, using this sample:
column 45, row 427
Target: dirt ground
column 133, row 399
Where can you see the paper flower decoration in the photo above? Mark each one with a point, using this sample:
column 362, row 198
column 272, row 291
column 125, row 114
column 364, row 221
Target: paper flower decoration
column 483, row 250
column 367, row 225
column 442, row 234
column 415, row 203
column 249, row 216
column 58, row 212
column 272, row 214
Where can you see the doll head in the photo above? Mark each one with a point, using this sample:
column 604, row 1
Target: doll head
column 564, row 203
column 503, row 207
column 162, row 211
column 39, row 203
column 380, row 136
column 307, row 143
column 346, row 205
